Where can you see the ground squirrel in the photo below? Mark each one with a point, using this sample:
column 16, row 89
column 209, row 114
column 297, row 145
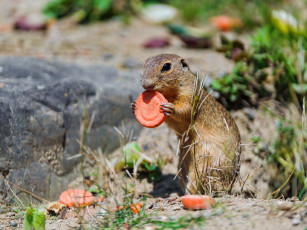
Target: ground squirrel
column 209, row 159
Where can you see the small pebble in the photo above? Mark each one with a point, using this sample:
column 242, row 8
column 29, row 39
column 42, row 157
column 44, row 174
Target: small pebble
column 157, row 43
column 251, row 205
column 207, row 214
column 219, row 211
column 176, row 208
column 1, row 227
column 208, row 81
column 175, row 195
column 294, row 198
column 164, row 218
column 74, row 225
column 250, row 113
column 154, row 206
column 296, row 221
column 244, row 216
column 150, row 227
column 107, row 57
column 215, row 94
column 101, row 213
column 284, row 205
column 13, row 223
column 10, row 214
column 145, row 147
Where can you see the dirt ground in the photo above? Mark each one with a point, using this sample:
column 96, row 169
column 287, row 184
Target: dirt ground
column 164, row 202
column 121, row 46
column 231, row 213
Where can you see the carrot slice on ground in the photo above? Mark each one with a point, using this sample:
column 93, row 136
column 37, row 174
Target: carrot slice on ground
column 147, row 109
column 119, row 208
column 100, row 199
column 225, row 23
column 136, row 208
column 76, row 198
column 194, row 202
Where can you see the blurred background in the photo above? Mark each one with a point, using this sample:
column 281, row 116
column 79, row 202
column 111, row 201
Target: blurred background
column 94, row 29
column 254, row 51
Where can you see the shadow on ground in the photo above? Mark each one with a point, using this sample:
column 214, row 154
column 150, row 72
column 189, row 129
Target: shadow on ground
column 166, row 186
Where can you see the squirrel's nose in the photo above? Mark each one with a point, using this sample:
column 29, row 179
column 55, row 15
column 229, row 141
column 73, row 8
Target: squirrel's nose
column 148, row 84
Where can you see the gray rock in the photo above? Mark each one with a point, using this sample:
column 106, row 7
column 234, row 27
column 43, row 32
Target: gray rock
column 13, row 223
column 296, row 221
column 42, row 105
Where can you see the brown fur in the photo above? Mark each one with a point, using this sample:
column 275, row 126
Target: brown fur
column 209, row 148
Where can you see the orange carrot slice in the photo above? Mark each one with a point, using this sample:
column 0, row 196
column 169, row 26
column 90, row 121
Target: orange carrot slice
column 194, row 202
column 225, row 23
column 136, row 208
column 100, row 199
column 147, row 109
column 119, row 208
column 76, row 198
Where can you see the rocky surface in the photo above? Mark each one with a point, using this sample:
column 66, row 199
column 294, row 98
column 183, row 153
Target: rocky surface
column 42, row 105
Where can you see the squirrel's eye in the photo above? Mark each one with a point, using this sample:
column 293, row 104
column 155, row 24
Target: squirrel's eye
column 166, row 67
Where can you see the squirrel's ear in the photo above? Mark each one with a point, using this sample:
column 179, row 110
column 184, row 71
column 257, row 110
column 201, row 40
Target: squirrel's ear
column 185, row 66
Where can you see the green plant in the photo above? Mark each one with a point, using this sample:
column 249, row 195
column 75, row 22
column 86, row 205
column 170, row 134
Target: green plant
column 125, row 218
column 198, row 10
column 34, row 219
column 202, row 10
column 84, row 11
column 120, row 217
column 154, row 172
column 289, row 154
column 242, row 87
column 233, row 87
column 284, row 54
column 261, row 148
column 274, row 66
column 134, row 159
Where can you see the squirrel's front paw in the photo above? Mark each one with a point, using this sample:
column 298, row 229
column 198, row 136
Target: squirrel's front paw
column 133, row 106
column 168, row 108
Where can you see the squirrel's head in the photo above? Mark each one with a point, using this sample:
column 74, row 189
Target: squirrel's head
column 167, row 73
